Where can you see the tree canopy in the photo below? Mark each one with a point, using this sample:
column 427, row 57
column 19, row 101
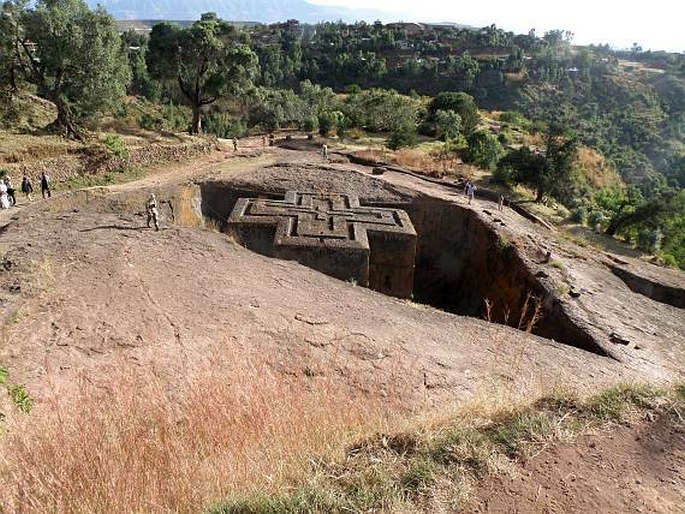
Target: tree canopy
column 209, row 60
column 461, row 103
column 71, row 53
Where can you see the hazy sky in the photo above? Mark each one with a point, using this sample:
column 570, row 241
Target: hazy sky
column 654, row 24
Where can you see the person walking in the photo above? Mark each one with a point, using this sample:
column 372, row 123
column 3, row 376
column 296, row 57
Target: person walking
column 471, row 191
column 235, row 144
column 26, row 187
column 151, row 211
column 10, row 191
column 45, row 185
column 324, row 151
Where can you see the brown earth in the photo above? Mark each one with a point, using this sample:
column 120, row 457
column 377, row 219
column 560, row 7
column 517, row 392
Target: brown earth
column 86, row 288
column 115, row 288
column 636, row 467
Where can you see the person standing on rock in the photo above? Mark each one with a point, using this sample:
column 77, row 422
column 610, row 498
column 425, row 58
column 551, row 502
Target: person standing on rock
column 235, row 144
column 152, row 212
column 324, row 151
column 45, row 185
column 500, row 205
column 26, row 187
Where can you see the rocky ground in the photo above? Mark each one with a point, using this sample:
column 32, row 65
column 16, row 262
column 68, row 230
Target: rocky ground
column 87, row 288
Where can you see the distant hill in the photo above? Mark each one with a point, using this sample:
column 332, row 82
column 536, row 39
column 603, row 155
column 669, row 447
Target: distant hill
column 265, row 11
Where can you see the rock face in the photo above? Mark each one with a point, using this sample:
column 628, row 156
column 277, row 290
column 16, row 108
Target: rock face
column 334, row 234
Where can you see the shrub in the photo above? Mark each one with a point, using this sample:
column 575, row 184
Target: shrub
column 311, row 124
column 514, row 118
column 579, row 214
column 483, row 150
column 596, row 219
column 649, row 240
column 327, row 122
column 502, row 175
column 224, row 125
column 117, row 146
column 668, row 260
column 402, row 136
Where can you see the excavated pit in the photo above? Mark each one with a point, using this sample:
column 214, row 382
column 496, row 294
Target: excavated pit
column 462, row 266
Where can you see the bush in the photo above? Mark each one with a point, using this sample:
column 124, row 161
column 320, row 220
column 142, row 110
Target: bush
column 311, row 124
column 649, row 240
column 327, row 122
column 402, row 136
column 503, row 175
column 117, row 146
column 668, row 260
column 224, row 125
column 595, row 220
column 483, row 149
column 504, row 137
column 514, row 118
column 579, row 214
column 174, row 118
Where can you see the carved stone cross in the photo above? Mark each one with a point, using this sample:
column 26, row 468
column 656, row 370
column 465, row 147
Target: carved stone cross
column 332, row 233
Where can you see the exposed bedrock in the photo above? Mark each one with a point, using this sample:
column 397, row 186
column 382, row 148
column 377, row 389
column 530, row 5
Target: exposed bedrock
column 462, row 265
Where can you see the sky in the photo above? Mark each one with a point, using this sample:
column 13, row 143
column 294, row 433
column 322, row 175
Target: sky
column 653, row 24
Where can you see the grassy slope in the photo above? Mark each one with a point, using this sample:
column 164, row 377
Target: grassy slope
column 432, row 466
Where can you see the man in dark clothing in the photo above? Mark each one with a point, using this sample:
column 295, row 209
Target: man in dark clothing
column 45, row 185
column 26, row 187
column 10, row 191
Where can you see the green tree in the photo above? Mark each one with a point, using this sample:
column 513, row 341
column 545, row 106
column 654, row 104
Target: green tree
column 329, row 121
column 379, row 110
column 10, row 64
column 483, row 149
column 72, row 54
column 135, row 46
column 448, row 123
column 461, row 103
column 275, row 108
column 402, row 136
column 467, row 67
column 208, row 61
column 675, row 170
column 549, row 170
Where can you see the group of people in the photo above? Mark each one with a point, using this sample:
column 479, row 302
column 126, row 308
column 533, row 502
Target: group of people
column 8, row 193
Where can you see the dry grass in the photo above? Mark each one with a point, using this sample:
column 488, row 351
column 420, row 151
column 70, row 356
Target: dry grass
column 598, row 171
column 435, row 164
column 529, row 314
column 374, row 155
column 17, row 148
column 429, row 162
column 431, row 464
column 131, row 445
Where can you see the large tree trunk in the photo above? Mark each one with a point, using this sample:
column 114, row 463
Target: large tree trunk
column 64, row 123
column 196, row 127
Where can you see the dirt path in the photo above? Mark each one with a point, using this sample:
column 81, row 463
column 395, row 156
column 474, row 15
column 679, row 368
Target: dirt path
column 628, row 468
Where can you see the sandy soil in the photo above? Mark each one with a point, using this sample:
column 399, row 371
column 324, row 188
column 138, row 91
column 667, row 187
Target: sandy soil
column 627, row 468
